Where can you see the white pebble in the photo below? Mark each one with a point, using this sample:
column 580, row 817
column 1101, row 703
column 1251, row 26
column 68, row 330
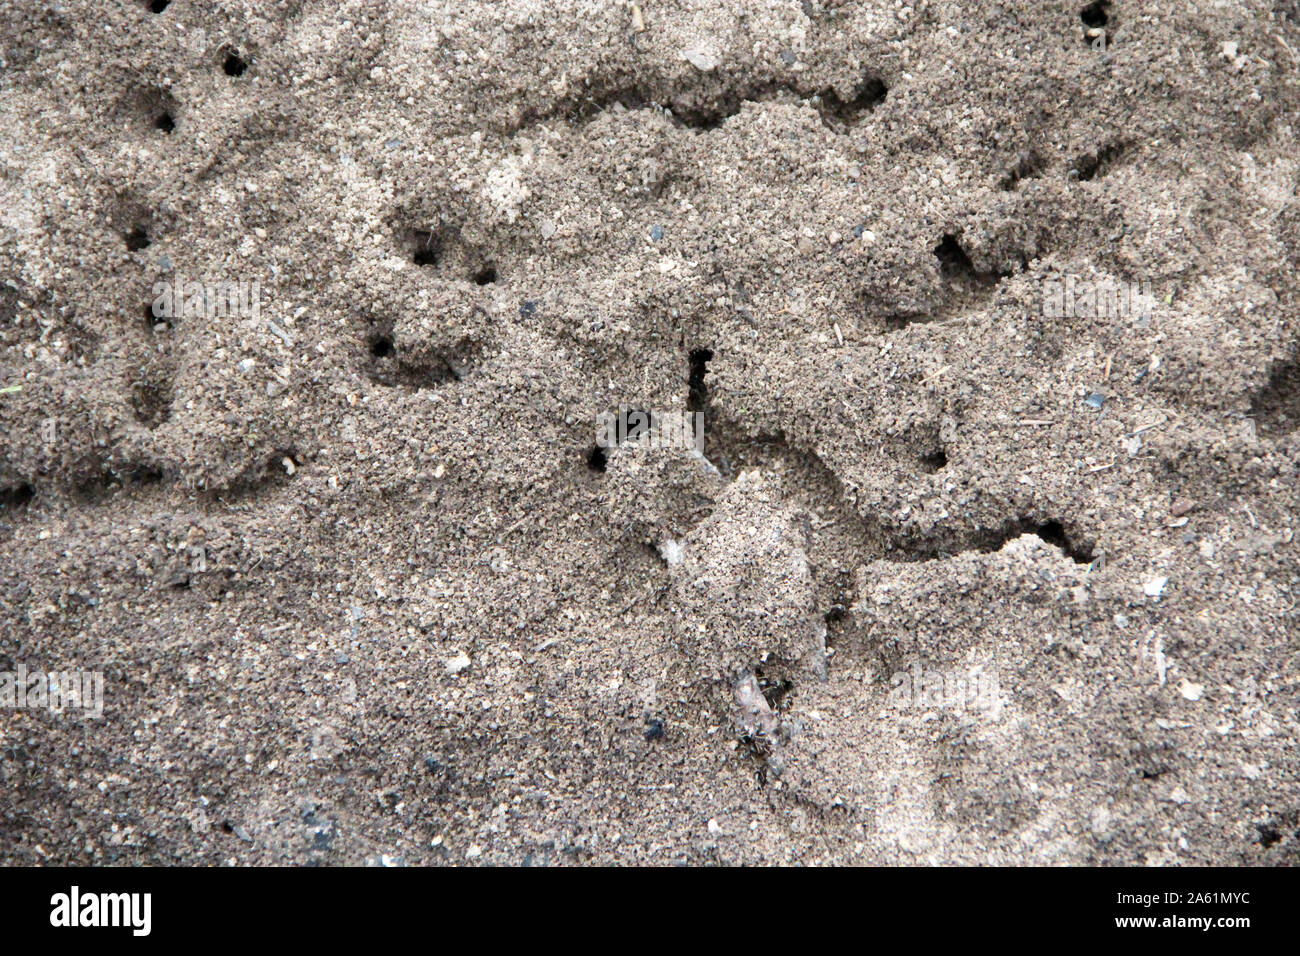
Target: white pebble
column 1155, row 586
column 702, row 60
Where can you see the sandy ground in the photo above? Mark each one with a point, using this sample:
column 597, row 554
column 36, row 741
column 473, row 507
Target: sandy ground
column 361, row 586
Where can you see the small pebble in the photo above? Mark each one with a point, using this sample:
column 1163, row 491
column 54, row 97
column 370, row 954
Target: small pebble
column 702, row 60
column 1155, row 586
column 656, row 233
